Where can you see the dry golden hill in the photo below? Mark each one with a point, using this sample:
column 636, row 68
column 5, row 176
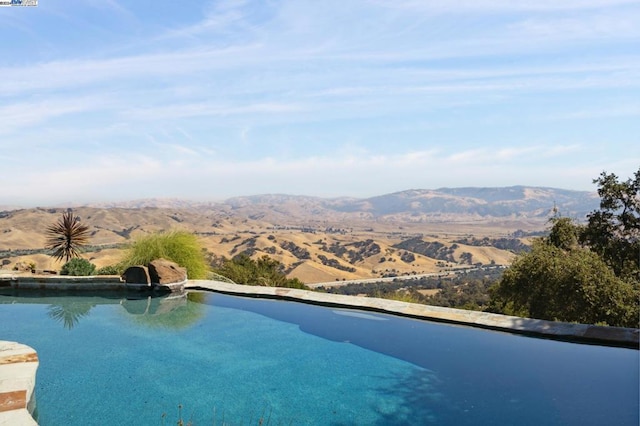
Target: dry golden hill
column 312, row 247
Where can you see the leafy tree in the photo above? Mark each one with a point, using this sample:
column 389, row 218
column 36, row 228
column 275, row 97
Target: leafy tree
column 564, row 233
column 566, row 285
column 613, row 231
column 560, row 279
column 78, row 267
column 67, row 236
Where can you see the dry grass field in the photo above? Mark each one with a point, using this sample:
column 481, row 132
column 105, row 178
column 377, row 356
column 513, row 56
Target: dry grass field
column 311, row 248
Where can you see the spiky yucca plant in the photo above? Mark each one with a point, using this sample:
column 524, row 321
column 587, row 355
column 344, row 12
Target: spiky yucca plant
column 67, row 236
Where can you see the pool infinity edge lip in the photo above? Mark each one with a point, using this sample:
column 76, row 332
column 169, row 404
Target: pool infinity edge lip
column 572, row 332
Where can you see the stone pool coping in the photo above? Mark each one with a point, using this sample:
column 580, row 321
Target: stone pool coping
column 92, row 283
column 18, row 365
column 572, row 332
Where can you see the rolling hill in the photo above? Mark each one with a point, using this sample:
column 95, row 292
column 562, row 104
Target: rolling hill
column 318, row 239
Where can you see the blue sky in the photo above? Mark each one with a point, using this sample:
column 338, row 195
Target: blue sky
column 104, row 100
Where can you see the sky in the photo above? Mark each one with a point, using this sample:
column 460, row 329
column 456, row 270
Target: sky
column 114, row 100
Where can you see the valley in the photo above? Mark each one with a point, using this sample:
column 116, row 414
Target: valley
column 316, row 240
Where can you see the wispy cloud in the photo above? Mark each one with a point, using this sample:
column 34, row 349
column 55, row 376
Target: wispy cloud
column 491, row 6
column 619, row 25
column 337, row 97
column 205, row 109
column 24, row 114
column 506, row 155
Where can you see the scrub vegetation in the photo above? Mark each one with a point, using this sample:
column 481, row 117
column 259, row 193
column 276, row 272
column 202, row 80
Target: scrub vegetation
column 78, row 267
column 264, row 272
column 180, row 247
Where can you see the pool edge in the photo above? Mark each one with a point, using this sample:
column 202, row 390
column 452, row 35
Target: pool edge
column 573, row 332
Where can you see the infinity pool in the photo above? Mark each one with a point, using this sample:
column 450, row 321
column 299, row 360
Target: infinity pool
column 233, row 360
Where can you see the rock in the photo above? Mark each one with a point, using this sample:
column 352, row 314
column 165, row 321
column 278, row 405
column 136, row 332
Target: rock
column 137, row 275
column 24, row 267
column 163, row 271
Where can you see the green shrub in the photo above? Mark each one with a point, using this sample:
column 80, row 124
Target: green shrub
column 78, row 267
column 265, row 272
column 180, row 247
column 109, row 270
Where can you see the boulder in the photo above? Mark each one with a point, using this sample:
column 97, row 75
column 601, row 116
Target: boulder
column 163, row 271
column 137, row 275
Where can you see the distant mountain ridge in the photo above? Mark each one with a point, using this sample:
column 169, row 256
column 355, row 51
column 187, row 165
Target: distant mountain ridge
column 414, row 205
column 520, row 201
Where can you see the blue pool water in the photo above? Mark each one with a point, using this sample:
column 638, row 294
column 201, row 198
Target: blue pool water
column 110, row 361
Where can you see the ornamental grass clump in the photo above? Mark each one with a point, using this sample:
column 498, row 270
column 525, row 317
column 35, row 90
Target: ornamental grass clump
column 180, row 247
column 66, row 237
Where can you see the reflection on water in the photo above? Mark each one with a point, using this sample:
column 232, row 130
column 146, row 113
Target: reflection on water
column 171, row 311
column 243, row 355
column 69, row 312
column 413, row 394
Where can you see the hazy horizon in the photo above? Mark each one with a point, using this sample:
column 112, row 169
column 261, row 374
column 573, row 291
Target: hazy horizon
column 115, row 201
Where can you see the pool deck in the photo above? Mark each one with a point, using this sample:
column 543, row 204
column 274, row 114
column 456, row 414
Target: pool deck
column 18, row 365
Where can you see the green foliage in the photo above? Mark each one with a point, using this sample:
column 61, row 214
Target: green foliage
column 78, row 267
column 109, row 270
column 613, row 231
column 334, row 263
column 559, row 280
column 564, row 233
column 588, row 274
column 264, row 272
column 514, row 244
column 472, row 294
column 576, row 285
column 432, row 249
column 66, row 237
column 180, row 247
